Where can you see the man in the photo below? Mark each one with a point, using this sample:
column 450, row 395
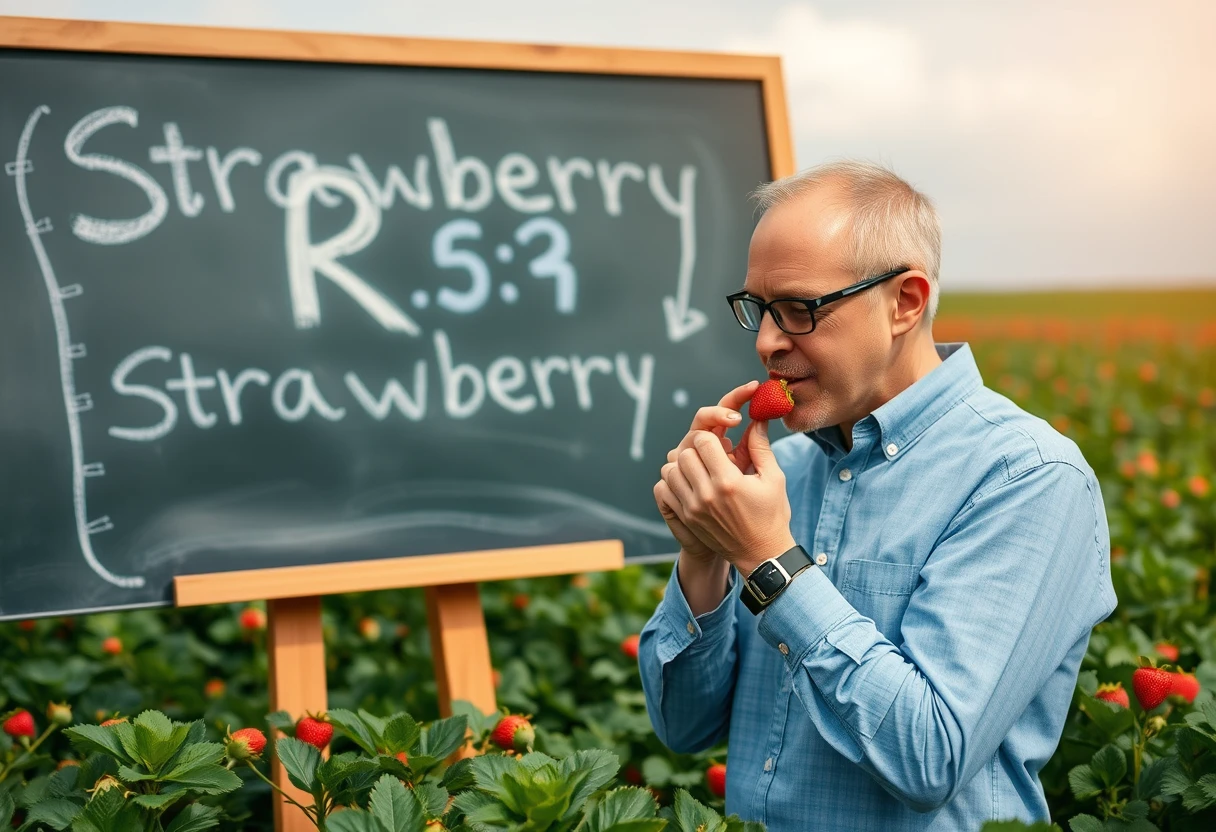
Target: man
column 917, row 672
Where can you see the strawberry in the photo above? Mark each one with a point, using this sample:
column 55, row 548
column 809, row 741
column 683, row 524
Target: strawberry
column 214, row 688
column 513, row 733
column 112, row 646
column 1152, row 685
column 1166, row 650
column 28, row 625
column 114, row 721
column 632, row 776
column 715, row 777
column 369, row 628
column 1186, row 686
column 252, row 619
column 1115, row 694
column 520, row 601
column 245, row 744
column 20, row 724
column 59, row 713
column 314, row 731
column 403, row 757
column 630, row 646
column 771, row 400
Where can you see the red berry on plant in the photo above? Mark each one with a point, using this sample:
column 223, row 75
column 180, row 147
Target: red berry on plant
column 1186, row 686
column 314, row 731
column 1113, row 693
column 629, row 646
column 20, row 724
column 1152, row 685
column 112, row 646
column 1167, row 650
column 513, row 733
column 715, row 778
column 245, row 744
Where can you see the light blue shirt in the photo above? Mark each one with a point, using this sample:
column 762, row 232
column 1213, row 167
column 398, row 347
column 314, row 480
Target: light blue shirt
column 919, row 676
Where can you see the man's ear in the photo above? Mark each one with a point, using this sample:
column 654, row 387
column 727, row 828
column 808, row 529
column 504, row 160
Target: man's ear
column 911, row 301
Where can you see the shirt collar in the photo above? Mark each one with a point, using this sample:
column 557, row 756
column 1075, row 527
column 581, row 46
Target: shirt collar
column 906, row 416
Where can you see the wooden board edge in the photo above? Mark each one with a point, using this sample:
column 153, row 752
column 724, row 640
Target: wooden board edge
column 294, row 45
column 398, row 573
column 777, row 121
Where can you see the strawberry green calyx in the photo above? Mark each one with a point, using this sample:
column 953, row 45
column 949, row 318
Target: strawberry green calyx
column 245, row 744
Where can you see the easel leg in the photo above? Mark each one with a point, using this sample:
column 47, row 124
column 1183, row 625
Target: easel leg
column 460, row 647
column 297, row 684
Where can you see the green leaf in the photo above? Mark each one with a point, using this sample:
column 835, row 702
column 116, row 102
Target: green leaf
column 108, row 811
column 301, row 762
column 159, row 801
column 57, row 813
column 125, row 732
column 157, row 738
column 1174, row 780
column 444, row 736
column 352, row 726
column 282, row 721
column 397, row 809
column 375, row 725
column 434, row 799
column 656, row 770
column 1151, row 777
column 133, row 775
column 656, row 825
column 735, row 824
column 342, row 766
column 1085, row 823
column 1201, row 795
column 195, row 818
column 459, row 775
column 693, row 816
column 207, row 779
column 351, row 820
column 1112, row 720
column 400, row 733
column 89, row 739
column 618, row 806
column 600, row 766
column 6, row 810
column 1087, row 683
column 479, row 808
column 1084, row 782
column 1109, row 764
column 196, row 732
column 193, row 756
column 1018, row 826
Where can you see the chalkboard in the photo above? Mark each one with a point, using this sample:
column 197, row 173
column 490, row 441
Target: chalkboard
column 268, row 312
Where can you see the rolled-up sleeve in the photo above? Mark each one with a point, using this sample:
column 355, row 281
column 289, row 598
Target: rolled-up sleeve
column 688, row 666
column 1012, row 586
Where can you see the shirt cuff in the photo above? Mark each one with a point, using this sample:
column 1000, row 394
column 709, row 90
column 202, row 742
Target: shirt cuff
column 687, row 629
column 803, row 614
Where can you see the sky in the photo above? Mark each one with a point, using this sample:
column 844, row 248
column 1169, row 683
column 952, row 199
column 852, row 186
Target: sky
column 1065, row 143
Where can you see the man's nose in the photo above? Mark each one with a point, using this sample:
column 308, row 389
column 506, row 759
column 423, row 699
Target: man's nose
column 771, row 338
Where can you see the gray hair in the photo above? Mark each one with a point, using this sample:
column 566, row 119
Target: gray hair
column 891, row 224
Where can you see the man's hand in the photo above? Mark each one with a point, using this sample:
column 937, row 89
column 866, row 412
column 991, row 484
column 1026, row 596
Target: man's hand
column 745, row 518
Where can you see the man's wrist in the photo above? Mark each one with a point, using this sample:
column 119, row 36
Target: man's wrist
column 704, row 584
column 747, row 564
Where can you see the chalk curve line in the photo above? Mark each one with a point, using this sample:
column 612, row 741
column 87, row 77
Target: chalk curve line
column 73, row 403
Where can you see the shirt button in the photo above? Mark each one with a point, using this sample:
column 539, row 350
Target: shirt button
column 821, row 558
column 785, row 651
column 692, row 630
column 768, row 764
column 892, row 449
column 846, row 475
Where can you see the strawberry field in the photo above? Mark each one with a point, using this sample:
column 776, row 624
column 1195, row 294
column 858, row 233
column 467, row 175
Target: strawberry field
column 1138, row 396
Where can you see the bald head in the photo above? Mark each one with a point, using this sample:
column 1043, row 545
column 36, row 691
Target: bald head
column 875, row 220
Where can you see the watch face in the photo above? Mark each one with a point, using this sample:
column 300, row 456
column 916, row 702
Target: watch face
column 767, row 580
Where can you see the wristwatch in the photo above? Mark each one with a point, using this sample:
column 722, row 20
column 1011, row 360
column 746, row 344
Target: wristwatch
column 771, row 577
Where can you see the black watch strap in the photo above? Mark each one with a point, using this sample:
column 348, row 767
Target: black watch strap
column 770, row 578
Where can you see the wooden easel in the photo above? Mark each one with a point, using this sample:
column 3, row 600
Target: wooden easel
column 454, row 615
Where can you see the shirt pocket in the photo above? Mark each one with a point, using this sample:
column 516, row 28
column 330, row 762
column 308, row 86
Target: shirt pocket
column 880, row 591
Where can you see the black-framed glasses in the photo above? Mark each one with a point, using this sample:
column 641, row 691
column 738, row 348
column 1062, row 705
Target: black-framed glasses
column 795, row 316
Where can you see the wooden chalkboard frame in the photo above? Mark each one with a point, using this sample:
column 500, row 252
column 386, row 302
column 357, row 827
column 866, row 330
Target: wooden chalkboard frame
column 284, row 45
column 293, row 594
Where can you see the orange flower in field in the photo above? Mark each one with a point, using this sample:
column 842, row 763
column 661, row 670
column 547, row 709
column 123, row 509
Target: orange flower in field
column 1060, row 385
column 1199, row 485
column 1061, row 422
column 1146, row 462
column 1081, row 395
column 1170, row 498
column 1106, row 370
column 1128, row 469
column 1207, row 397
column 1148, row 372
column 1121, row 421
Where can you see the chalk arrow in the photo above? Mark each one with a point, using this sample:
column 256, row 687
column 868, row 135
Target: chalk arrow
column 682, row 319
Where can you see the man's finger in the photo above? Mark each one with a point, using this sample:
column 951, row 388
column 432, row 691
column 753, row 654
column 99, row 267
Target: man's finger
column 678, row 483
column 718, row 466
column 711, row 418
column 693, row 468
column 740, row 396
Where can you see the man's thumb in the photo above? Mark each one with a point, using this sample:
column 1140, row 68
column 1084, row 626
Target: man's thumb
column 758, row 448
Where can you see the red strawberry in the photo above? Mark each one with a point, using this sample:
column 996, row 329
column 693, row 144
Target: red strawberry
column 771, row 400
column 513, row 733
column 520, row 601
column 214, row 688
column 252, row 618
column 112, row 646
column 1186, row 686
column 630, row 646
column 315, row 732
column 715, row 777
column 1115, row 694
column 1152, row 685
column 632, row 776
column 20, row 724
column 1167, row 650
column 246, row 744
column 114, row 721
column 403, row 757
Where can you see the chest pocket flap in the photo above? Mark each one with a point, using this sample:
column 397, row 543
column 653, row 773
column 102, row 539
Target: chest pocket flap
column 876, row 577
